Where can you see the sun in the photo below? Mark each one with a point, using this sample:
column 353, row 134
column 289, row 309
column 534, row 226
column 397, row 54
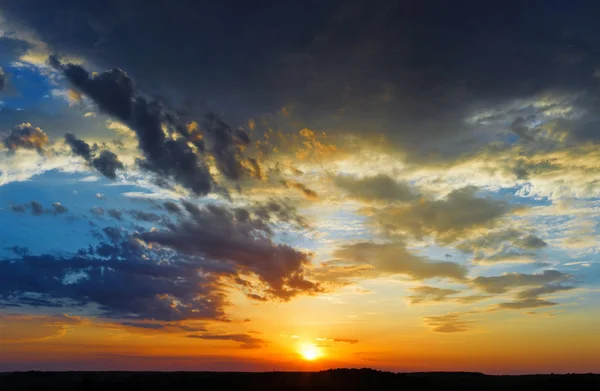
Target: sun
column 310, row 352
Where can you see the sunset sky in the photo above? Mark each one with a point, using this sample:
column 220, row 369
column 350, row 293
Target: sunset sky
column 300, row 185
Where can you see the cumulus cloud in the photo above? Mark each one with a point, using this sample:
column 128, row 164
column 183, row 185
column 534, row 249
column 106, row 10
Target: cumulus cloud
column 26, row 136
column 374, row 188
column 172, row 150
column 447, row 219
column 390, row 258
column 246, row 341
column 244, row 239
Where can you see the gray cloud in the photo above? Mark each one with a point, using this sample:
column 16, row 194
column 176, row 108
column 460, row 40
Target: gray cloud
column 2, row 79
column 503, row 245
column 59, row 208
column 107, row 163
column 394, row 258
column 508, row 281
column 430, row 294
column 243, row 238
column 115, row 214
column 374, row 188
column 447, row 219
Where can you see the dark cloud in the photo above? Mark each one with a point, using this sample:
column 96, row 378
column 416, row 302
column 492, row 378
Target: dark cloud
column 107, row 163
column 224, row 145
column 144, row 216
column 115, row 214
column 18, row 208
column 374, row 188
column 58, row 208
column 78, row 146
column 36, row 208
column 246, row 341
column 169, row 158
column 26, row 136
column 243, row 238
column 413, row 70
column 123, row 280
column 2, row 79
column 446, row 219
column 172, row 207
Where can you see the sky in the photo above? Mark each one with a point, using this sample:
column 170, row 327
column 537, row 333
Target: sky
column 300, row 185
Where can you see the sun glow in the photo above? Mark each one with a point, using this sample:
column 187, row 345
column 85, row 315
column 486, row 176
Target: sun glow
column 310, row 352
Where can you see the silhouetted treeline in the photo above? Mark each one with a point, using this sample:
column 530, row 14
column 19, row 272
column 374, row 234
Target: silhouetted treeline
column 336, row 379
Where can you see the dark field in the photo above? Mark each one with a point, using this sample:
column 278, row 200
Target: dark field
column 339, row 379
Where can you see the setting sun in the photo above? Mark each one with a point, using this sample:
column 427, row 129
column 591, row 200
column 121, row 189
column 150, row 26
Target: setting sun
column 310, row 352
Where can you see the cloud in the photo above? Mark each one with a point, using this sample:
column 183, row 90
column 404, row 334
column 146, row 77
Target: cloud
column 225, row 146
column 339, row 340
column 18, row 208
column 430, row 294
column 124, row 280
column 394, row 258
column 244, row 239
column 58, row 208
column 163, row 326
column 172, row 207
column 25, row 328
column 502, row 245
column 526, row 303
column 448, row 323
column 2, row 79
column 26, row 136
column 115, row 214
column 97, row 210
column 107, row 163
column 144, row 216
column 374, row 188
column 176, row 153
column 308, row 192
column 448, row 219
column 508, row 281
column 78, row 146
column 246, row 341
column 530, row 298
